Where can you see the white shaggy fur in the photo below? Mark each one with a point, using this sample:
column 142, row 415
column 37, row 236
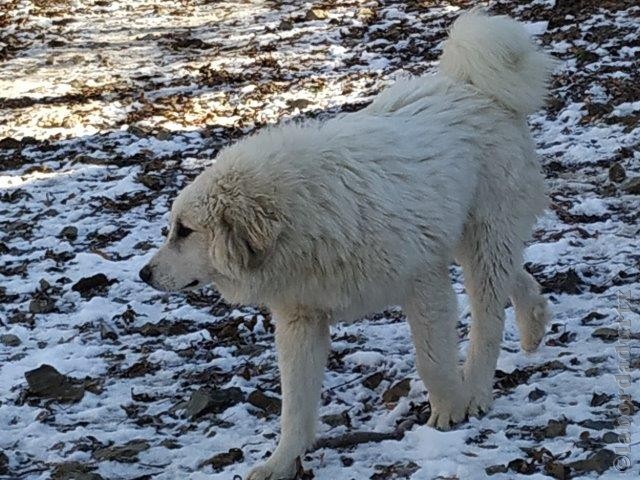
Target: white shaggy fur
column 330, row 221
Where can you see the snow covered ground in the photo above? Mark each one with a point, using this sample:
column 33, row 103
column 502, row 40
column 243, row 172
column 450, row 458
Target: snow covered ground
column 108, row 108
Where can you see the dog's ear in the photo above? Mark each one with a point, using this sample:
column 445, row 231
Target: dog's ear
column 246, row 231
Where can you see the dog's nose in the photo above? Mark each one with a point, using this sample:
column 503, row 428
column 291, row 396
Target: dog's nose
column 145, row 274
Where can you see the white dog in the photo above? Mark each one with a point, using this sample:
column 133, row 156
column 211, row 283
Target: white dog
column 330, row 221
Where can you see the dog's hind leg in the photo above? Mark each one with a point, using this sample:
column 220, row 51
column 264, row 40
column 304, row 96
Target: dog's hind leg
column 532, row 310
column 432, row 315
column 302, row 344
column 488, row 255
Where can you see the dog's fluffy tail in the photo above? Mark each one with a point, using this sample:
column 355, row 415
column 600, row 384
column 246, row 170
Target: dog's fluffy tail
column 497, row 56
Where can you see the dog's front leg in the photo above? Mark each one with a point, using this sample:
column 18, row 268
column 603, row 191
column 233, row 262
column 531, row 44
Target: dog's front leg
column 302, row 343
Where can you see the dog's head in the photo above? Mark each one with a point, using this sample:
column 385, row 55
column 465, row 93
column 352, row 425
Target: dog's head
column 223, row 228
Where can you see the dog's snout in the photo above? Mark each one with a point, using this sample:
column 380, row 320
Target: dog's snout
column 145, row 274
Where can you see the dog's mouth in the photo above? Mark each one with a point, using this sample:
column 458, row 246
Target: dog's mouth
column 193, row 284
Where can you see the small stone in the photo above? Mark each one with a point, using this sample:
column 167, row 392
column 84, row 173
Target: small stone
column 285, row 25
column 9, row 143
column 597, row 424
column 4, row 464
column 564, row 282
column 42, row 305
column 206, row 400
column 69, row 233
column 46, row 382
column 536, row 394
column 556, row 428
column 74, row 471
column 271, row 405
column 397, row 391
column 600, row 399
column 10, row 340
column 366, row 15
column 557, row 470
column 222, row 460
column 373, row 380
column 494, row 469
column 152, row 182
column 606, row 334
column 632, row 186
column 170, row 444
column 611, row 437
column 126, row 453
column 617, row 173
column 299, row 103
column 337, row 419
column 598, row 462
column 165, row 134
column 346, row 461
column 316, row 14
column 107, row 333
column 88, row 287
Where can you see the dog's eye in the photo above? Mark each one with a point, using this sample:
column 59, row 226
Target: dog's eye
column 182, row 231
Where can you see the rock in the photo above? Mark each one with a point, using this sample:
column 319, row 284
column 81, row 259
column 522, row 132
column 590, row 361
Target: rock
column 373, row 380
column 42, row 304
column 397, row 391
column 46, row 382
column 520, row 465
column 591, row 317
column 599, row 399
column 597, row 424
column 557, row 470
column 396, row 470
column 127, row 453
column 264, row 402
column 166, row 328
column 494, row 469
column 346, row 461
column 556, row 428
column 167, row 134
column 337, row 419
column 285, row 25
column 88, row 287
column 606, row 334
column 598, row 462
column 10, row 340
column 222, row 460
column 316, row 14
column 617, row 173
column 632, row 186
column 170, row 444
column 152, row 182
column 536, row 394
column 563, row 282
column 611, row 437
column 299, row 103
column 74, row 471
column 206, row 400
column 592, row 372
column 69, row 233
column 107, row 333
column 140, row 369
column 366, row 15
column 4, row 464
column 9, row 143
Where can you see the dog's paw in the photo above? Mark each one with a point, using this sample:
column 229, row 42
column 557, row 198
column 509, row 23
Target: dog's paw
column 273, row 469
column 473, row 401
column 533, row 325
column 480, row 401
column 445, row 414
column 532, row 316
